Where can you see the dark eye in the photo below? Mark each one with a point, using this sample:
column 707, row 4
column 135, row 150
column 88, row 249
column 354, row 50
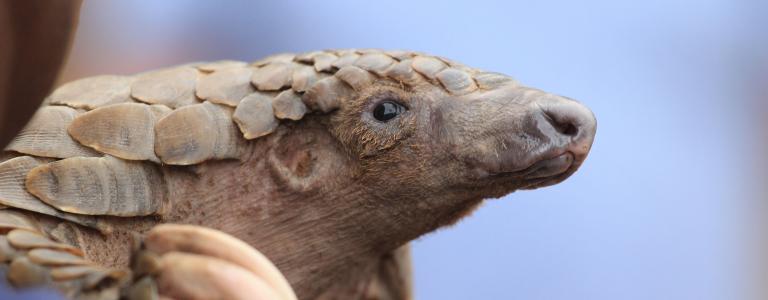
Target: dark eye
column 387, row 110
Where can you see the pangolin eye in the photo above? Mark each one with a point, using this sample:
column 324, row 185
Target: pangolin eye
column 388, row 110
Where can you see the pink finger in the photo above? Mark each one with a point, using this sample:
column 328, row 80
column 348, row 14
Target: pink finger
column 204, row 241
column 192, row 276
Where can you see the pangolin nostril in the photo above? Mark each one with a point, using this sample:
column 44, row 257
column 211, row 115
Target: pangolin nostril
column 568, row 129
column 562, row 124
column 569, row 123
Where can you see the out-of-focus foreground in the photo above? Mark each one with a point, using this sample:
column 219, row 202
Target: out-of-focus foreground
column 35, row 37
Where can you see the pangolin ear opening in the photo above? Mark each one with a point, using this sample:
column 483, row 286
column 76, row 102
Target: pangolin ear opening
column 305, row 158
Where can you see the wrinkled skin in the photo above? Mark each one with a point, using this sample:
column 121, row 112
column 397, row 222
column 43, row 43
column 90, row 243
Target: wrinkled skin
column 325, row 198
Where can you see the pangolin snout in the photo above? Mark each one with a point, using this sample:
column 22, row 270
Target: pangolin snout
column 570, row 128
column 525, row 134
column 569, row 122
column 547, row 146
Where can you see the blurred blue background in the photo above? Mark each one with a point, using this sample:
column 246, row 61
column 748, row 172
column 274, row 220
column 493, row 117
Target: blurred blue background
column 666, row 207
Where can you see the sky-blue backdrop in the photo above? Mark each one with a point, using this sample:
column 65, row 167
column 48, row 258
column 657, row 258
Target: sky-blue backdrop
column 662, row 209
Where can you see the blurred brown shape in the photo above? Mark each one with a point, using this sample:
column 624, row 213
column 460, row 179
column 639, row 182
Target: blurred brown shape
column 35, row 36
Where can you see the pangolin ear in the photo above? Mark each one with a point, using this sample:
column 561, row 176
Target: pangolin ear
column 306, row 158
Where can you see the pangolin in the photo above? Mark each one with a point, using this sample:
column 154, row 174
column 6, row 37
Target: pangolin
column 328, row 162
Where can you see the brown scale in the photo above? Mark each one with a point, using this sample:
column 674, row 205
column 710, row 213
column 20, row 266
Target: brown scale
column 92, row 92
column 125, row 130
column 46, row 135
column 173, row 87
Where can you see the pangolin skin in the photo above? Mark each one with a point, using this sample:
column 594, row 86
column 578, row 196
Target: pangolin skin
column 328, row 162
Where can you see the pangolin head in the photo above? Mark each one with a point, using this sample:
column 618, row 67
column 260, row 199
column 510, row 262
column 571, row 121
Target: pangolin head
column 425, row 127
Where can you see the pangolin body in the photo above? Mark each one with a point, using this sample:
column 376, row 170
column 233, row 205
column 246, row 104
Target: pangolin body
column 99, row 148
